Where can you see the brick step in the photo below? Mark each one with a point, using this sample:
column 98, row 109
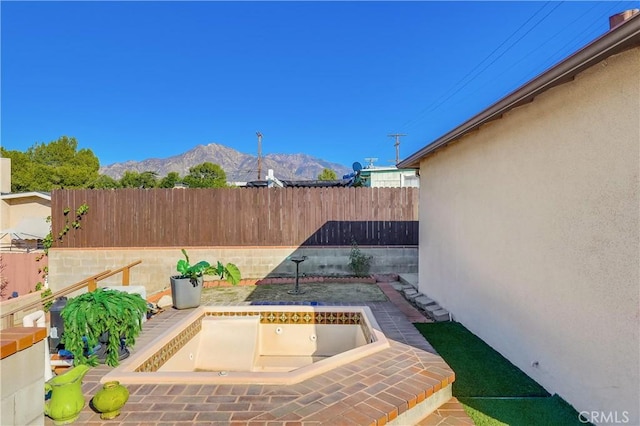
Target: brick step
column 449, row 413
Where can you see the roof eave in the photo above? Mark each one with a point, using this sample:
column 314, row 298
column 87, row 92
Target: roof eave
column 11, row 196
column 621, row 38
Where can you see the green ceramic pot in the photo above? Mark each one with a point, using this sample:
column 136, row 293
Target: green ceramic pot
column 67, row 400
column 110, row 399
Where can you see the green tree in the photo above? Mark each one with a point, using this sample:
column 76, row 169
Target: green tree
column 327, row 174
column 133, row 179
column 130, row 179
column 47, row 166
column 105, row 182
column 206, row 175
column 22, row 170
column 170, row 180
column 149, row 179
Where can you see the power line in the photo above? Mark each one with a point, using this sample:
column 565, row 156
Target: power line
column 436, row 104
column 495, row 59
column 552, row 58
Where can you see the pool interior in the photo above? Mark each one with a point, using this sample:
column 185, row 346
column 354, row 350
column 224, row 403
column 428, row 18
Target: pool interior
column 268, row 343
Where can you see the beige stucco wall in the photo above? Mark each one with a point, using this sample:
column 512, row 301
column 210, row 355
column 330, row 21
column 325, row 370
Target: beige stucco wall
column 5, row 175
column 530, row 236
column 5, row 187
column 69, row 266
column 4, row 217
column 23, row 207
column 13, row 210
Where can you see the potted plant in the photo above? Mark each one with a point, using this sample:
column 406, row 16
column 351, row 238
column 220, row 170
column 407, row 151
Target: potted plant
column 186, row 288
column 99, row 325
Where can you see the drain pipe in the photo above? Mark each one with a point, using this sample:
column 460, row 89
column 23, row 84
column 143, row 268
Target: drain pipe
column 37, row 319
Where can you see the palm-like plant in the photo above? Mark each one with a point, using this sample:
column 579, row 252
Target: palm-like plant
column 230, row 272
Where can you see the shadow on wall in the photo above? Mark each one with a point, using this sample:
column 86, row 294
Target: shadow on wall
column 369, row 232
column 392, row 244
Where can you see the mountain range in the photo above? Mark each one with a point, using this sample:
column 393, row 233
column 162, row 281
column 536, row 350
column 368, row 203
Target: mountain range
column 239, row 167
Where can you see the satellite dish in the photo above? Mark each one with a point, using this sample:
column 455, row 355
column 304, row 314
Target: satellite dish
column 357, row 167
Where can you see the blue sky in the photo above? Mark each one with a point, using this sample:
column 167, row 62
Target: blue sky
column 137, row 80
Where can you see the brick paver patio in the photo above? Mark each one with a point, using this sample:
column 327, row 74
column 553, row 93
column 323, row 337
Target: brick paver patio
column 374, row 390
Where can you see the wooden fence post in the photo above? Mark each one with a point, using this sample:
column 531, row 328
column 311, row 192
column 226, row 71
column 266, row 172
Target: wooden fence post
column 93, row 285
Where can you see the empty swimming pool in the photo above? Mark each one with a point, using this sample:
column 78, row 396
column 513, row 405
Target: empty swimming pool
column 282, row 344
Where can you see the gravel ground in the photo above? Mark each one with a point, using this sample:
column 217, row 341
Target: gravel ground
column 313, row 292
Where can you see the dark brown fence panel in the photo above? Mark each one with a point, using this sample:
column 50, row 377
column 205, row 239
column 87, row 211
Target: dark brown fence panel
column 237, row 217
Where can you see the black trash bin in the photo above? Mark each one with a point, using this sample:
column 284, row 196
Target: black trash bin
column 57, row 325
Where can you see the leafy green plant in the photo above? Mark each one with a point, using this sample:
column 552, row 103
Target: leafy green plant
column 359, row 262
column 230, row 272
column 46, row 292
column 43, row 295
column 48, row 241
column 87, row 316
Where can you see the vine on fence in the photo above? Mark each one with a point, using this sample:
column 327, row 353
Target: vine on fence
column 68, row 225
column 48, row 241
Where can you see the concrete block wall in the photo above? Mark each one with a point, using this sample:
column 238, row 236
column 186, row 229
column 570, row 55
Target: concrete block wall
column 23, row 387
column 68, row 266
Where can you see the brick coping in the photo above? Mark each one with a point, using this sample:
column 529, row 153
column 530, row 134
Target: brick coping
column 16, row 339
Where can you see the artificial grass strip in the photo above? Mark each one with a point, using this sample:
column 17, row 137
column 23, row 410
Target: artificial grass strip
column 520, row 411
column 480, row 370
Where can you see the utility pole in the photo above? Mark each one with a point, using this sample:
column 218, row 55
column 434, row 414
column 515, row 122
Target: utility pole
column 259, row 135
column 397, row 144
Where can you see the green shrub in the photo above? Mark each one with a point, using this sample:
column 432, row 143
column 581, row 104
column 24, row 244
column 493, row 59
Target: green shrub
column 359, row 262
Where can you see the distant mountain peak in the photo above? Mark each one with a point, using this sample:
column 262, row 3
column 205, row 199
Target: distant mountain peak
column 239, row 167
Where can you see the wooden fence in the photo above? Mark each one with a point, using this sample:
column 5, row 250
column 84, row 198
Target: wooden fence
column 237, row 217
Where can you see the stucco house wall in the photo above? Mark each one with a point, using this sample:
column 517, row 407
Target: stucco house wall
column 5, row 175
column 26, row 206
column 14, row 207
column 530, row 236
